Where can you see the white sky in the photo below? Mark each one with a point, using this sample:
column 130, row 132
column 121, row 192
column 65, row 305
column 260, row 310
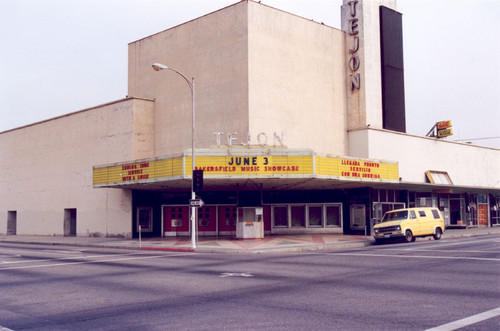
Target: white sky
column 60, row 56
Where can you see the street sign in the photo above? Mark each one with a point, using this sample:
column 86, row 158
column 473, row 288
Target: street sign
column 443, row 125
column 445, row 133
column 196, row 203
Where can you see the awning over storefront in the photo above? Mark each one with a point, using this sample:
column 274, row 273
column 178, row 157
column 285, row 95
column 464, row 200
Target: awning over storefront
column 270, row 168
column 438, row 177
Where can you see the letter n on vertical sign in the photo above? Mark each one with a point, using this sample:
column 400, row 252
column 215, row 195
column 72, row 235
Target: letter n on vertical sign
column 355, row 81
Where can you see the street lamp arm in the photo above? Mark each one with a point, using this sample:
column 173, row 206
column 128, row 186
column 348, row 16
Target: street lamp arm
column 159, row 66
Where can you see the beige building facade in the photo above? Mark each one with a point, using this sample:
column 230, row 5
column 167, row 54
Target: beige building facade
column 48, row 169
column 290, row 132
column 262, row 71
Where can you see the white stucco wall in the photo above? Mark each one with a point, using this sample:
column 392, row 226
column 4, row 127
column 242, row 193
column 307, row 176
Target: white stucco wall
column 256, row 70
column 467, row 165
column 296, row 80
column 47, row 167
column 214, row 50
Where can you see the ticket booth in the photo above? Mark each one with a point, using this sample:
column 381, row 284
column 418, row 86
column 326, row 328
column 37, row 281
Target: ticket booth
column 250, row 223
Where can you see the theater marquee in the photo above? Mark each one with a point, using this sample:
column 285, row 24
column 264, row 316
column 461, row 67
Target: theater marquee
column 281, row 164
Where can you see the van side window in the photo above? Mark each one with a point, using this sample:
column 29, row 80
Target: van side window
column 421, row 213
column 412, row 215
column 435, row 213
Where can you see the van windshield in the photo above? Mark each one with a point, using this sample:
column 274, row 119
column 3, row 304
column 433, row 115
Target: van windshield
column 395, row 216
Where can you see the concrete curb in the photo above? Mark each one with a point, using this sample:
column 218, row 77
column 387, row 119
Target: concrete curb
column 168, row 249
column 291, row 248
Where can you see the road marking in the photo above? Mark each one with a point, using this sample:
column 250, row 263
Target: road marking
column 473, row 241
column 457, row 251
column 56, row 251
column 422, row 256
column 231, row 274
column 9, row 256
column 89, row 262
column 68, row 258
column 467, row 321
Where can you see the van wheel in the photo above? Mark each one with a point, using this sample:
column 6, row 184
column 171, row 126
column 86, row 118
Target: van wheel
column 438, row 233
column 409, row 236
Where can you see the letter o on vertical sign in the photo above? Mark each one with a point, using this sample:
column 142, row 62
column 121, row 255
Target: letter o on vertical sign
column 262, row 136
column 354, row 63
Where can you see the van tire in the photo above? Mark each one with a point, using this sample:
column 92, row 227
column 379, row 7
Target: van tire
column 409, row 236
column 438, row 233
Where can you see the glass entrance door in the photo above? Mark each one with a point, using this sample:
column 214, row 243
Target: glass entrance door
column 457, row 212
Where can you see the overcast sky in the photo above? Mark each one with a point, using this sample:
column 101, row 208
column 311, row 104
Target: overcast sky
column 60, row 56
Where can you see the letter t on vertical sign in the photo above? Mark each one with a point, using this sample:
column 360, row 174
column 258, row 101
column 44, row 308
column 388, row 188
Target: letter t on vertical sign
column 197, row 180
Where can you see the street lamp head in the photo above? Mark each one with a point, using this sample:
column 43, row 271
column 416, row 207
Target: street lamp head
column 159, row 66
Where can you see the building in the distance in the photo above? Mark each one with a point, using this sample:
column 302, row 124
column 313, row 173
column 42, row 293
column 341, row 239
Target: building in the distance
column 300, row 127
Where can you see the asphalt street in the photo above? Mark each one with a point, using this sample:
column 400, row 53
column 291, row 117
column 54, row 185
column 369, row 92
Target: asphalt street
column 417, row 286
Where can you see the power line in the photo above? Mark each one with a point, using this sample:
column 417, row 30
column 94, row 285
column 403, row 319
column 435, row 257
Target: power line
column 485, row 138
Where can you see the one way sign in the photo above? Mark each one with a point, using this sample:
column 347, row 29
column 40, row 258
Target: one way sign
column 196, row 203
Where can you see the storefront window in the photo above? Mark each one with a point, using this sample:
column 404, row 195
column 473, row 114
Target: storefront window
column 495, row 217
column 298, row 216
column 307, row 216
column 380, row 208
column 472, row 211
column 333, row 216
column 425, row 199
column 495, row 210
column 280, row 216
column 316, row 216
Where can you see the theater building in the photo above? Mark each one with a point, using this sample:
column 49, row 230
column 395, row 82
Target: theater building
column 299, row 128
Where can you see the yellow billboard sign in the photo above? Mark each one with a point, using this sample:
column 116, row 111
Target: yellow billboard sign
column 443, row 125
column 269, row 165
column 445, row 133
column 136, row 172
column 356, row 169
column 305, row 165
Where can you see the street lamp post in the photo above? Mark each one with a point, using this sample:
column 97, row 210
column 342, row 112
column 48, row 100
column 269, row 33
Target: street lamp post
column 158, row 67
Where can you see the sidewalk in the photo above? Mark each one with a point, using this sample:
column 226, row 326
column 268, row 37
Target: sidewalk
column 270, row 243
